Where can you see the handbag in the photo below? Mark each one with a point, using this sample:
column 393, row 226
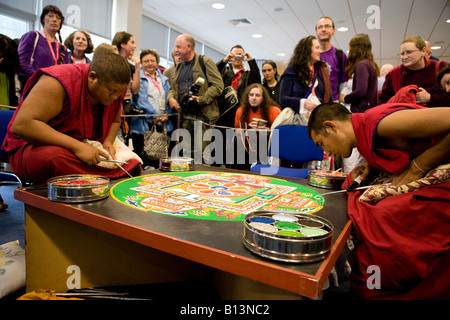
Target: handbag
column 156, row 144
column 227, row 100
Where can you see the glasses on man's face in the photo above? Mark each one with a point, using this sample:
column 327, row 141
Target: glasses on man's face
column 407, row 53
column 325, row 26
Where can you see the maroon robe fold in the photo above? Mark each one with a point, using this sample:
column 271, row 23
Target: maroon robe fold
column 405, row 235
column 39, row 163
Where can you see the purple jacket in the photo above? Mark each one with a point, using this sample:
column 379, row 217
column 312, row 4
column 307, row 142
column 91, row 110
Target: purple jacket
column 42, row 55
column 364, row 89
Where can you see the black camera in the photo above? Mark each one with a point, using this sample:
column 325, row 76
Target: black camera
column 130, row 109
column 190, row 104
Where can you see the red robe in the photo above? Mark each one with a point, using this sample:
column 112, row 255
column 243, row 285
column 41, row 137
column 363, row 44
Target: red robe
column 39, row 163
column 406, row 235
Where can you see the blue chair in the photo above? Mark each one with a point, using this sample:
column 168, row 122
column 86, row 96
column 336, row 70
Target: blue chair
column 6, row 174
column 290, row 143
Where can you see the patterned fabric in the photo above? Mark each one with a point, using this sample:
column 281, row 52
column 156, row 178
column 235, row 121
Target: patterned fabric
column 12, row 268
column 379, row 192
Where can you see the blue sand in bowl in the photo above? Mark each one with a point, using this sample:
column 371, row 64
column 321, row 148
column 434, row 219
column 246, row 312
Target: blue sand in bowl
column 262, row 220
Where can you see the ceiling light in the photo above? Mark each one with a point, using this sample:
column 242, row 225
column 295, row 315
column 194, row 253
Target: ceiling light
column 257, row 35
column 342, row 29
column 281, row 54
column 448, row 21
column 435, row 48
column 218, row 5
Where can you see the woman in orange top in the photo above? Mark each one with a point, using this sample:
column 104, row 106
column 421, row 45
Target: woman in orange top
column 257, row 112
column 256, row 104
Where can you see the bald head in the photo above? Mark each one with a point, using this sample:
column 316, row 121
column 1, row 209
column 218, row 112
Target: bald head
column 385, row 69
column 427, row 49
column 185, row 47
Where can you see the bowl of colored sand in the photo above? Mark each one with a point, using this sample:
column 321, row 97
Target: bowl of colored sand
column 176, row 164
column 288, row 236
column 326, row 179
column 78, row 188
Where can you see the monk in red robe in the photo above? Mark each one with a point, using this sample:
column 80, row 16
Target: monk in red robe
column 61, row 106
column 403, row 235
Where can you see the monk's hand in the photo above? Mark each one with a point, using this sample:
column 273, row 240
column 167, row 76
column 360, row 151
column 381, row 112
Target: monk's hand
column 90, row 154
column 362, row 170
column 407, row 176
column 110, row 148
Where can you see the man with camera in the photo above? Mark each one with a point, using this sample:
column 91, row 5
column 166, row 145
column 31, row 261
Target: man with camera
column 194, row 89
column 234, row 74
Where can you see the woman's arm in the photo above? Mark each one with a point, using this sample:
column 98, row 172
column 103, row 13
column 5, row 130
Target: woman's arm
column 360, row 82
column 287, row 98
column 25, row 50
column 136, row 80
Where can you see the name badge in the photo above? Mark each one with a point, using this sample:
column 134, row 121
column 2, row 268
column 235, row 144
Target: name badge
column 162, row 104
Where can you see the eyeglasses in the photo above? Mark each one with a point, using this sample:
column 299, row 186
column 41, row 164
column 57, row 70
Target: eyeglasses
column 407, row 53
column 326, row 26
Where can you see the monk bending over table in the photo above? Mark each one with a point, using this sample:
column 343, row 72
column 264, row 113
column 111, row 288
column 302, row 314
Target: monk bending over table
column 62, row 107
column 401, row 230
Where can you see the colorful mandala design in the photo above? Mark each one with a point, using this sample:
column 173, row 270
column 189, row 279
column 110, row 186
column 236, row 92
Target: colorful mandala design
column 214, row 195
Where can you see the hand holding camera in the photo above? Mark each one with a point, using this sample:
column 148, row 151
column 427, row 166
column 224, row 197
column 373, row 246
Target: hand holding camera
column 190, row 100
column 245, row 57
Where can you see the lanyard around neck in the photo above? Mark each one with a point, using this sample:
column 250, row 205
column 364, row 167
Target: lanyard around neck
column 75, row 60
column 55, row 56
column 156, row 84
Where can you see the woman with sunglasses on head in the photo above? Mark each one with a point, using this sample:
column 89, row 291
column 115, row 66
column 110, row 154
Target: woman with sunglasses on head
column 40, row 49
column 416, row 69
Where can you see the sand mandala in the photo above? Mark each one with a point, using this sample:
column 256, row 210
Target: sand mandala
column 220, row 196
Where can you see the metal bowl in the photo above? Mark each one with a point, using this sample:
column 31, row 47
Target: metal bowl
column 176, row 164
column 326, row 179
column 78, row 188
column 288, row 236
